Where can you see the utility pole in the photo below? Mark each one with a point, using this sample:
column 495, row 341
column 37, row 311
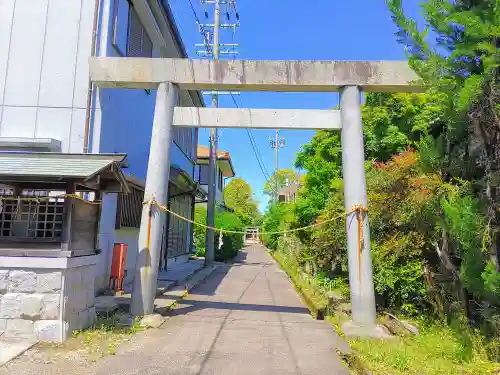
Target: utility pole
column 276, row 143
column 212, row 162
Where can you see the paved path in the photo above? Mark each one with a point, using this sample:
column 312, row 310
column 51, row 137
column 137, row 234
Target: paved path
column 245, row 319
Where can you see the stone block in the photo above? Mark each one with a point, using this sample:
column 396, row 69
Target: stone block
column 90, row 296
column 49, row 282
column 51, row 305
column 80, row 300
column 20, row 329
column 74, row 322
column 152, row 321
column 73, row 280
column 92, row 316
column 88, row 276
column 4, row 281
column 22, row 281
column 31, row 306
column 3, row 326
column 87, row 318
column 51, row 330
column 10, row 306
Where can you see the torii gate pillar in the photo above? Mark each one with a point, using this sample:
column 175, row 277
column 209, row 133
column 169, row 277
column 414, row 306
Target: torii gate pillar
column 358, row 231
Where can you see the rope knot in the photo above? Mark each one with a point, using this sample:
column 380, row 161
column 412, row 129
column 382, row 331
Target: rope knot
column 360, row 211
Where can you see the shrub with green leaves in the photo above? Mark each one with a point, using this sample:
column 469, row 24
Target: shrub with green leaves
column 231, row 242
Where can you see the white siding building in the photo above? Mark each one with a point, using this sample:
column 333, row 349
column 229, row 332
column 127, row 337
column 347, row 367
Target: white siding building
column 45, row 95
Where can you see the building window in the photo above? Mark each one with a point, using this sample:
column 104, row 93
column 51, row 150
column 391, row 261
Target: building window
column 221, row 180
column 204, row 174
column 129, row 35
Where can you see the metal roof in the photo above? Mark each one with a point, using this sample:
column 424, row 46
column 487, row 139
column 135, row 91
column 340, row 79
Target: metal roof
column 92, row 171
column 53, row 164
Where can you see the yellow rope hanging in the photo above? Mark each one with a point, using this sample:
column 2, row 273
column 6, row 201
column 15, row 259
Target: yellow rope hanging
column 48, row 198
column 359, row 210
column 165, row 208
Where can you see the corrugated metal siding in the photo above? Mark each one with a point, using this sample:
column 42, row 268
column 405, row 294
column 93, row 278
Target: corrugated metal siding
column 13, row 165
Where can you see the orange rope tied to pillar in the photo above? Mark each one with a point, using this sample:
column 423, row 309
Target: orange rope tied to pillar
column 360, row 212
column 148, row 238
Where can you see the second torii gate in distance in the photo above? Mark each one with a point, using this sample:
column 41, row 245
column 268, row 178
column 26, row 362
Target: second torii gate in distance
column 169, row 76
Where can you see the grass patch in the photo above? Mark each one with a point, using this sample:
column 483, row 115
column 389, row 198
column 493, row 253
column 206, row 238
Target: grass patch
column 314, row 298
column 99, row 340
column 438, row 349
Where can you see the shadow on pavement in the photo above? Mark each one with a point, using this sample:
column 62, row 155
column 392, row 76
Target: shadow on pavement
column 200, row 305
column 209, row 288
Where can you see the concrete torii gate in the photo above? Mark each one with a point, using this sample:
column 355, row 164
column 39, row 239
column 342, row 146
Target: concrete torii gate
column 169, row 76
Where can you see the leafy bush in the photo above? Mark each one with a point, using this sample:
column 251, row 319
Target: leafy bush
column 231, row 242
column 277, row 218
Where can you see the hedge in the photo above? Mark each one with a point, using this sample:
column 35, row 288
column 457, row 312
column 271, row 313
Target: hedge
column 231, row 243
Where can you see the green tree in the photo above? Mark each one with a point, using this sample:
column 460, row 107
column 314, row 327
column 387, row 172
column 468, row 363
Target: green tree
column 285, row 178
column 238, row 196
column 462, row 66
column 391, row 123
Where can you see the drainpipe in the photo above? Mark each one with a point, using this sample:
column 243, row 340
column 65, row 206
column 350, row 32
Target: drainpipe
column 86, row 132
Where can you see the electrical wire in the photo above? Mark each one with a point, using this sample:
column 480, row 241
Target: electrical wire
column 200, row 27
column 255, row 147
column 250, row 136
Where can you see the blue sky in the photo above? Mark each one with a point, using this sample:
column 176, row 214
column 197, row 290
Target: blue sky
column 293, row 30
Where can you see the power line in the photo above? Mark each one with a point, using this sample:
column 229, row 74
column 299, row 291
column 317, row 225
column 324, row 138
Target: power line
column 255, row 147
column 253, row 143
column 200, row 25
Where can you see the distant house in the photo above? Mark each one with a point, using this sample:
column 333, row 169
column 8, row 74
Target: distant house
column 224, row 170
column 288, row 194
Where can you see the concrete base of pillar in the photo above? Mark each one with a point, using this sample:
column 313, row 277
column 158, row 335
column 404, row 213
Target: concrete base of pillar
column 352, row 329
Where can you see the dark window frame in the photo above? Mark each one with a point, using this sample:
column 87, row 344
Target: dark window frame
column 144, row 35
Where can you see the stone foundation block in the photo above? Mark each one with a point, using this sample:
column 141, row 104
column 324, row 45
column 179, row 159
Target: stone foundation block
column 50, row 307
column 4, row 281
column 3, row 326
column 21, row 281
column 76, row 302
column 20, row 329
column 88, row 276
column 74, row 322
column 33, row 303
column 49, row 282
column 87, row 317
column 31, row 306
column 10, row 306
column 51, row 330
column 90, row 297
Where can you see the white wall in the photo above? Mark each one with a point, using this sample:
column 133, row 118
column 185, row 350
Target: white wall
column 44, row 49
